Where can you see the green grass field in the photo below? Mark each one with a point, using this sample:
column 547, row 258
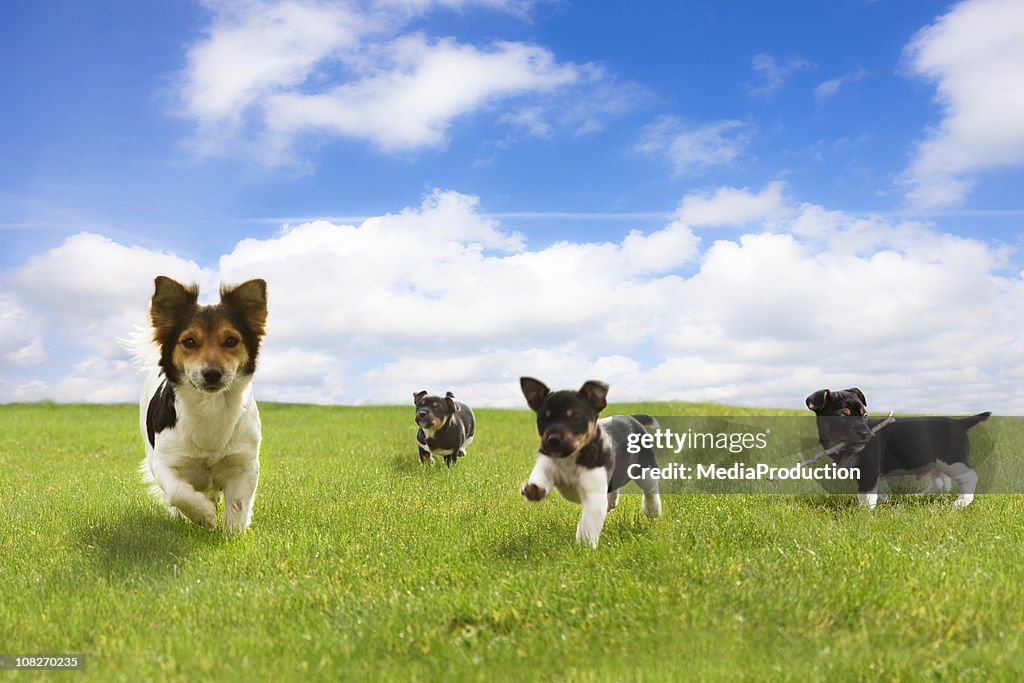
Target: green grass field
column 361, row 565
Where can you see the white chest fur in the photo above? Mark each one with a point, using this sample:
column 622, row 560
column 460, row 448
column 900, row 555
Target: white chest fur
column 212, row 447
column 587, row 486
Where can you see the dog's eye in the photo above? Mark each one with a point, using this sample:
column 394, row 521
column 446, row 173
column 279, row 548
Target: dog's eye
column 189, row 343
column 231, row 342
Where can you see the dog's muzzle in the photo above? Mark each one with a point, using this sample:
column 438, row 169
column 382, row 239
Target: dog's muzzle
column 555, row 445
column 425, row 420
column 210, row 380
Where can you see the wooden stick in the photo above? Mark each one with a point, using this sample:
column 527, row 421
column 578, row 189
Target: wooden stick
column 841, row 445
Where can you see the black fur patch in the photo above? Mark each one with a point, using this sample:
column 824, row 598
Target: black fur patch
column 161, row 414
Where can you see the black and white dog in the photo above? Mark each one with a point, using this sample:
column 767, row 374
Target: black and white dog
column 933, row 446
column 585, row 458
column 199, row 420
column 446, row 427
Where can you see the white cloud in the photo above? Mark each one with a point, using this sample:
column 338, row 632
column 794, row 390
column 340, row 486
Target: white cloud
column 20, row 340
column 267, row 75
column 975, row 55
column 773, row 73
column 691, row 150
column 531, row 120
column 98, row 380
column 254, row 48
column 826, row 90
column 411, row 102
column 440, row 297
column 731, row 206
column 97, row 285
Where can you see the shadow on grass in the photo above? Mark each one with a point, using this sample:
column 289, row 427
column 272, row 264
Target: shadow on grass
column 410, row 464
column 143, row 544
column 520, row 546
column 836, row 504
column 406, row 464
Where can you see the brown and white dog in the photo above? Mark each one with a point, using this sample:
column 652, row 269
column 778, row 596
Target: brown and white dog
column 197, row 412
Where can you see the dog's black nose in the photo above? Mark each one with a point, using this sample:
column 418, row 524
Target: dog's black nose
column 212, row 375
column 554, row 440
column 422, row 412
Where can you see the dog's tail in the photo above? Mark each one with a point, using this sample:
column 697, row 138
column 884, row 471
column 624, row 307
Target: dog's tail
column 139, row 343
column 969, row 422
column 646, row 420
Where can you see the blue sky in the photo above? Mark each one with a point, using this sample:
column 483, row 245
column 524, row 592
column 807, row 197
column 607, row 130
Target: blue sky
column 852, row 139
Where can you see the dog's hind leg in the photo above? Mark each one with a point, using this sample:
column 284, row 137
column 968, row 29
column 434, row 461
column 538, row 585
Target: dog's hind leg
column 465, row 445
column 883, row 494
column 651, row 504
column 966, row 479
column 940, row 483
column 613, row 500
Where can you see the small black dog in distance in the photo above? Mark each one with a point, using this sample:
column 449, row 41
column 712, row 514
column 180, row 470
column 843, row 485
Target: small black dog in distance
column 446, row 427
column 585, row 458
column 935, row 446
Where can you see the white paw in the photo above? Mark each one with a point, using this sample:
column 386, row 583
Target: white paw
column 235, row 527
column 651, row 506
column 963, row 501
column 587, row 537
column 237, row 516
column 202, row 515
column 868, row 500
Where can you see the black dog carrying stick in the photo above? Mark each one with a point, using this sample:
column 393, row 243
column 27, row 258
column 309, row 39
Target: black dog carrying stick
column 839, row 446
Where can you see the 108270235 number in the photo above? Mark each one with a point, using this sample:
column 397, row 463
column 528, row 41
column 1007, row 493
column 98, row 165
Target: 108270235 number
column 41, row 662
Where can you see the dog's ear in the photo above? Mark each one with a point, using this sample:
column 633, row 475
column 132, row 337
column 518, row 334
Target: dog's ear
column 251, row 299
column 449, row 398
column 859, row 394
column 418, row 395
column 595, row 392
column 535, row 392
column 817, row 400
column 170, row 301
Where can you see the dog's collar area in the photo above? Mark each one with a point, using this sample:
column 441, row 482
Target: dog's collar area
column 839, row 447
column 597, row 438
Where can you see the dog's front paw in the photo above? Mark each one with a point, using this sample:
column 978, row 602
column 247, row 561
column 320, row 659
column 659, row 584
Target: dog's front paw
column 588, row 536
column 205, row 519
column 201, row 515
column 235, row 526
column 532, row 492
